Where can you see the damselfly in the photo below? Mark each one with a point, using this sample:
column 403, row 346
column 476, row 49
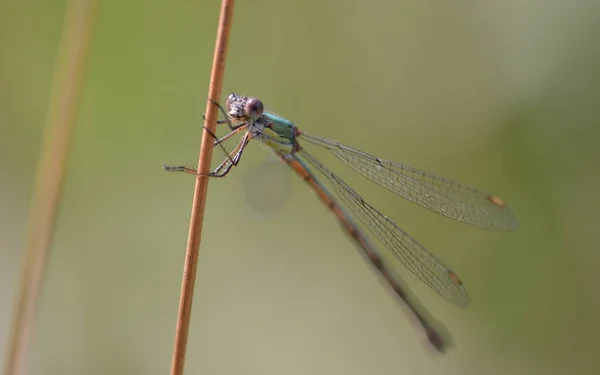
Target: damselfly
column 463, row 203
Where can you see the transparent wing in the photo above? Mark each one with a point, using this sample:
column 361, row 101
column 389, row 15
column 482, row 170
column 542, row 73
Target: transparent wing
column 410, row 253
column 445, row 197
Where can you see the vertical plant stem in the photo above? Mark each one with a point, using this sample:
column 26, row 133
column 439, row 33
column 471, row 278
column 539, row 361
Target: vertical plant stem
column 199, row 202
column 70, row 66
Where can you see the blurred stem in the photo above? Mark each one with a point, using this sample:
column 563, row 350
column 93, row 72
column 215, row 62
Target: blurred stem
column 199, row 202
column 64, row 97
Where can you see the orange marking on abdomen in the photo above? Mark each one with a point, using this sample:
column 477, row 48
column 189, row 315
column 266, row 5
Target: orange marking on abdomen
column 355, row 233
column 323, row 195
column 344, row 219
column 328, row 200
column 299, row 168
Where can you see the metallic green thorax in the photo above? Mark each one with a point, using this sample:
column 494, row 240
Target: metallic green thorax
column 280, row 133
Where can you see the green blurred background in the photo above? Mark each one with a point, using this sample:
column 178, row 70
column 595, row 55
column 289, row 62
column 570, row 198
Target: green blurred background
column 499, row 95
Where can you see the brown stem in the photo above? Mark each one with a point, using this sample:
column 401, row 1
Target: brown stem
column 199, row 202
column 70, row 66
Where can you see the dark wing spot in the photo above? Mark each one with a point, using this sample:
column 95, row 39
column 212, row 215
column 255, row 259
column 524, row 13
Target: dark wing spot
column 454, row 277
column 496, row 200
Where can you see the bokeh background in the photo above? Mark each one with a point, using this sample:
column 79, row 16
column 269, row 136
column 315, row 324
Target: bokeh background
column 500, row 95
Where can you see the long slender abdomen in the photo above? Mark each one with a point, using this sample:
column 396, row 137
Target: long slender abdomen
column 368, row 251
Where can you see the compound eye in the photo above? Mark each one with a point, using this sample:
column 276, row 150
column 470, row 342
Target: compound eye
column 254, row 108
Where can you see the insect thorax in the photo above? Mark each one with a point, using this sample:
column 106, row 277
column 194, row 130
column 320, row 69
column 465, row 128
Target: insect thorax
column 262, row 131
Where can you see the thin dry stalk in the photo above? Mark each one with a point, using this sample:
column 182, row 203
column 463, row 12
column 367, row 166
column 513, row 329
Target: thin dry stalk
column 70, row 66
column 199, row 202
